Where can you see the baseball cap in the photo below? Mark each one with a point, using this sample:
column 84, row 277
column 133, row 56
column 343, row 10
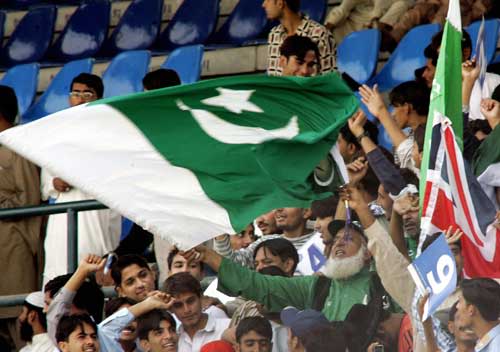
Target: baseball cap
column 302, row 321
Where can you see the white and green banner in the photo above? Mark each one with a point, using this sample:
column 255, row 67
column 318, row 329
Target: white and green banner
column 194, row 161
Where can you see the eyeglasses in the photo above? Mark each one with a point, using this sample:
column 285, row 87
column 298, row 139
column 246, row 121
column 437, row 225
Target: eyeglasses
column 86, row 95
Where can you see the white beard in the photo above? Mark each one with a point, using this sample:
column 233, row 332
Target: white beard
column 344, row 268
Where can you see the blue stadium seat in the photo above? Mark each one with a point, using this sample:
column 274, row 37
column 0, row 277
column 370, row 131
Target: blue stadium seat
column 24, row 80
column 408, row 56
column 490, row 38
column 186, row 61
column 56, row 97
column 138, row 27
column 246, row 22
column 192, row 24
column 125, row 72
column 84, row 32
column 315, row 9
column 31, row 37
column 356, row 58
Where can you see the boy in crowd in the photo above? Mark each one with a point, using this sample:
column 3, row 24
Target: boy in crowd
column 157, row 331
column 254, row 334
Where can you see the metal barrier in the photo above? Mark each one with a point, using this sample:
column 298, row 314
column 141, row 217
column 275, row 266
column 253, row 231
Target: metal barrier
column 72, row 209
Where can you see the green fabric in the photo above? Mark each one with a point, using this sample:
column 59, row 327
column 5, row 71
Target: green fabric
column 488, row 152
column 277, row 292
column 446, row 94
column 246, row 179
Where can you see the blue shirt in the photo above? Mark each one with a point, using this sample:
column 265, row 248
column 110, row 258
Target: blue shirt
column 110, row 329
column 489, row 342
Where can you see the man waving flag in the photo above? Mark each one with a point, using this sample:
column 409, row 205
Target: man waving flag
column 191, row 162
column 450, row 194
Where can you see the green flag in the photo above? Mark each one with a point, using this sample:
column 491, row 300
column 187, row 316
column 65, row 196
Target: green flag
column 194, row 161
column 446, row 94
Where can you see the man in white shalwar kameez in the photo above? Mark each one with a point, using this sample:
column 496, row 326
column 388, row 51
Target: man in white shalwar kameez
column 98, row 230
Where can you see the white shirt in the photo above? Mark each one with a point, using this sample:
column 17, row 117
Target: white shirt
column 491, row 81
column 213, row 331
column 39, row 343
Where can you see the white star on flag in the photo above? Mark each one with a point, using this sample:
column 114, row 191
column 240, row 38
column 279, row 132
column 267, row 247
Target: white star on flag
column 233, row 100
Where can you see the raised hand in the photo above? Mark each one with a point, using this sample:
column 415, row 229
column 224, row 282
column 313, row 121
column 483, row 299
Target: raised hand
column 372, row 99
column 490, row 108
column 353, row 195
column 453, row 237
column 408, row 202
column 60, row 185
column 470, row 71
column 91, row 263
column 356, row 123
column 357, row 170
column 160, row 300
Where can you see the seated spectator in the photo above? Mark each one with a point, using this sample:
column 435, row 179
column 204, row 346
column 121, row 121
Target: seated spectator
column 293, row 23
column 309, row 330
column 19, row 240
column 160, row 78
column 355, row 15
column 33, row 325
column 197, row 328
column 77, row 333
column 98, row 230
column 478, row 309
column 243, row 239
column 432, row 11
column 157, row 331
column 254, row 334
column 132, row 277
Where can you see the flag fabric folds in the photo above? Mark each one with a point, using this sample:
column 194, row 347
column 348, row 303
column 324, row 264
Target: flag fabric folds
column 191, row 162
column 453, row 197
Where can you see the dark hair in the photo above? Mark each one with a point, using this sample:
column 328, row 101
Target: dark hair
column 182, row 283
column 432, row 50
column 496, row 93
column 296, row 45
column 171, row 256
column 91, row 81
column 324, row 207
column 123, row 262
column 479, row 125
column 369, row 127
column 419, row 137
column 69, row 323
column 151, row 321
column 412, row 92
column 409, row 177
column 452, row 312
column 259, row 325
column 42, row 318
column 280, row 247
column 160, row 78
column 90, row 297
column 54, row 285
column 114, row 304
column 8, row 104
column 484, row 294
column 431, row 238
column 323, row 337
column 293, row 5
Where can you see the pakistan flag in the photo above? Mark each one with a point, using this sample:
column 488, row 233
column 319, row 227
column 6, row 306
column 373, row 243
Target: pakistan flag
column 194, row 161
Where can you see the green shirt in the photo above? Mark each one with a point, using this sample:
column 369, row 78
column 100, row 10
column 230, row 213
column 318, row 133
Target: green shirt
column 277, row 292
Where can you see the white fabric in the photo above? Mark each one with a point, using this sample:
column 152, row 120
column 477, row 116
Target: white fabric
column 213, row 331
column 489, row 181
column 98, row 230
column 403, row 153
column 491, row 81
column 106, row 156
column 41, row 343
column 280, row 337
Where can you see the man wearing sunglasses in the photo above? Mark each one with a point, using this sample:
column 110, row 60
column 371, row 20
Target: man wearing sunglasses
column 98, row 231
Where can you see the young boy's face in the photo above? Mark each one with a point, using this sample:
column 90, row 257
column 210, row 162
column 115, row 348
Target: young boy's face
column 254, row 342
column 136, row 283
column 81, row 340
column 162, row 339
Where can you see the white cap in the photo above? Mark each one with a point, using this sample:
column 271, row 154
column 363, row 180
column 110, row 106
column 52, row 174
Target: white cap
column 36, row 299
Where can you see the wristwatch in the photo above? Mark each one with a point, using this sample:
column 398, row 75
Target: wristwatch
column 362, row 135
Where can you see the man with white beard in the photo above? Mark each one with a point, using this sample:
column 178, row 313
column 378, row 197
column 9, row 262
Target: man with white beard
column 347, row 279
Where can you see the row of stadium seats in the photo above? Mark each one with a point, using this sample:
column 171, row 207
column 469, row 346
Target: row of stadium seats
column 123, row 76
column 85, row 34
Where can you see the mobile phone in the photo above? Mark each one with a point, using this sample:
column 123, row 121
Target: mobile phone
column 379, row 348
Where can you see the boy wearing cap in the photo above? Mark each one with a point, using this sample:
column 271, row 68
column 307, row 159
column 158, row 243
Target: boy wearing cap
column 33, row 325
